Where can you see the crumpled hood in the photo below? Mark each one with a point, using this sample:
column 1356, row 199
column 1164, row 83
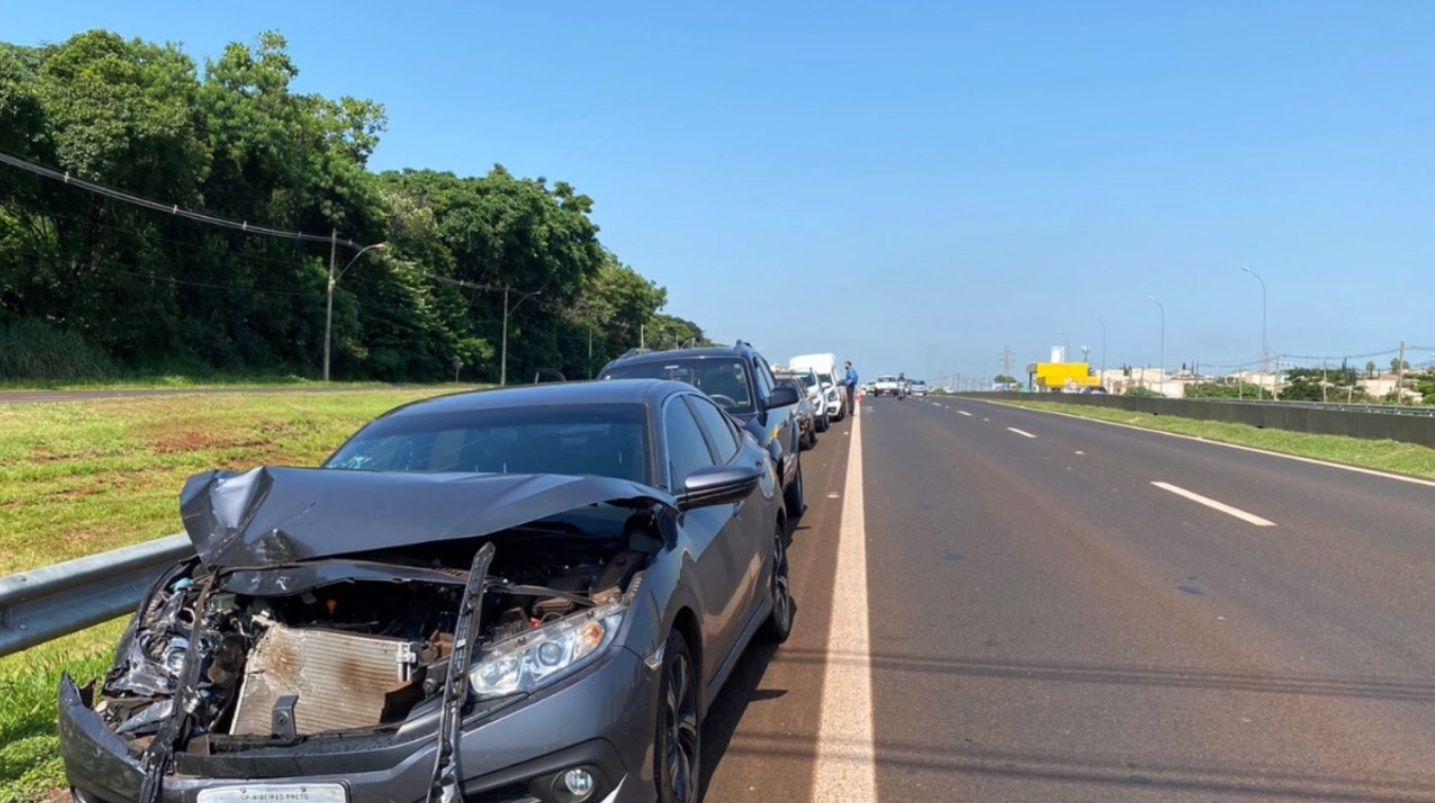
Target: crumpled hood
column 279, row 515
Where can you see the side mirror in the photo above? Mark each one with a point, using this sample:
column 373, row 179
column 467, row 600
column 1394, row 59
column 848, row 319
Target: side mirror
column 782, row 396
column 719, row 485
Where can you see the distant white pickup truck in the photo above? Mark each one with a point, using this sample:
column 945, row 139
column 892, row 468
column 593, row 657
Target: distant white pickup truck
column 888, row 385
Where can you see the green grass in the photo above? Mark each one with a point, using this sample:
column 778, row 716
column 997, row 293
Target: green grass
column 182, row 381
column 30, row 766
column 1401, row 458
column 81, row 477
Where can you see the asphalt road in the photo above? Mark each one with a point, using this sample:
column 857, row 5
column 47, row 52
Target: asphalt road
column 1043, row 622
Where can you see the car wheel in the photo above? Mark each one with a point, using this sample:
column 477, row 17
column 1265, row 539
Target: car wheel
column 794, row 498
column 779, row 623
column 823, row 423
column 677, row 746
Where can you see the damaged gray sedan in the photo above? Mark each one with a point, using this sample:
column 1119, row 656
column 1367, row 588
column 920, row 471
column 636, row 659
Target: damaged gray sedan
column 518, row 596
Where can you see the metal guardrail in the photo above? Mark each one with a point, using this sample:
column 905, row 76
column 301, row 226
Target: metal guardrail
column 1375, row 422
column 49, row 602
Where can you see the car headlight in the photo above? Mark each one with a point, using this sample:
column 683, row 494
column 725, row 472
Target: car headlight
column 545, row 654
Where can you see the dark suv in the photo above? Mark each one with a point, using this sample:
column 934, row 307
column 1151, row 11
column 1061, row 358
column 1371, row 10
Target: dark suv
column 739, row 379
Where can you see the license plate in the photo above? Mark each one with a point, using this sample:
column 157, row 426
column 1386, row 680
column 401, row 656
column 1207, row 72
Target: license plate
column 276, row 793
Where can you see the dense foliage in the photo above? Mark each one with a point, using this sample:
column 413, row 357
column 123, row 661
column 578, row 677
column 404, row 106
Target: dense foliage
column 99, row 284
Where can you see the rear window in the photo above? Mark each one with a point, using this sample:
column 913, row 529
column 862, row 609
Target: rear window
column 602, row 440
column 723, row 380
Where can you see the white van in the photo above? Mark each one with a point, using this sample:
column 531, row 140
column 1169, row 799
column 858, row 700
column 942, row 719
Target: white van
column 829, row 373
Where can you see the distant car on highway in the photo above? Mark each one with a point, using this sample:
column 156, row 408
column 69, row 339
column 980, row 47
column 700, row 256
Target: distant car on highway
column 889, row 385
column 919, row 387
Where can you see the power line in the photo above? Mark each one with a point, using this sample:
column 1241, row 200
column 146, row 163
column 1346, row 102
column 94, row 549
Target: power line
column 64, row 177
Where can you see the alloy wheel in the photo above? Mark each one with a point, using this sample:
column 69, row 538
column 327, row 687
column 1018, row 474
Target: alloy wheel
column 680, row 722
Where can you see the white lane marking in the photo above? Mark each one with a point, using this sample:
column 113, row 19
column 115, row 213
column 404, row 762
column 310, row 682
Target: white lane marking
column 963, row 412
column 1078, row 451
column 987, row 420
column 832, row 494
column 1020, row 432
column 846, row 759
column 1249, row 518
column 1298, row 458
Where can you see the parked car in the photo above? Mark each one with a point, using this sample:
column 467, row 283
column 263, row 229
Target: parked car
column 816, row 396
column 529, row 594
column 740, row 380
column 829, row 373
column 806, row 413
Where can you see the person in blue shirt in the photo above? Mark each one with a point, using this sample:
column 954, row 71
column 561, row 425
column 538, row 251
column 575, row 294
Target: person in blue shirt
column 849, row 381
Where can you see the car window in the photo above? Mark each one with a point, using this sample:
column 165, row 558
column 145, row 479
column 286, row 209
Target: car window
column 722, row 379
column 604, row 440
column 687, row 450
column 718, row 428
column 763, row 376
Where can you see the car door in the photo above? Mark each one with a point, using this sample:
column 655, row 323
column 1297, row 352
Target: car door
column 719, row 570
column 780, row 422
column 749, row 534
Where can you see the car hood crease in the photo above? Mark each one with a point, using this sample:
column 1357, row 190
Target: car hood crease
column 271, row 515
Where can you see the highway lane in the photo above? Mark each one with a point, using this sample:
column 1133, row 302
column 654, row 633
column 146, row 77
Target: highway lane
column 1048, row 625
column 1045, row 623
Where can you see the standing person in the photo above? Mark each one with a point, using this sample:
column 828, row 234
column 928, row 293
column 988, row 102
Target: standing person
column 849, row 381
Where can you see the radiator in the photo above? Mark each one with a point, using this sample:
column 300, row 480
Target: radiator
column 341, row 679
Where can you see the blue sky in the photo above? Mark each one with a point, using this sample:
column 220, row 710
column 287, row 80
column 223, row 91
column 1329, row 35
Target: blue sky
column 918, row 185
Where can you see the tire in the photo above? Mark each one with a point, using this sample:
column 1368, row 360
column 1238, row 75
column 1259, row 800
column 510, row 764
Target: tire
column 823, row 423
column 795, row 498
column 779, row 623
column 677, row 742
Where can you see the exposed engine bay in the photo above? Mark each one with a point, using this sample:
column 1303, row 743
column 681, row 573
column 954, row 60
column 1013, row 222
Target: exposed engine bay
column 277, row 654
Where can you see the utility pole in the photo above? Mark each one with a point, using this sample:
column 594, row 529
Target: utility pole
column 503, row 352
column 590, row 351
column 1006, row 361
column 1153, row 300
column 1263, row 323
column 334, row 280
column 1103, row 351
column 642, row 335
column 1400, row 376
column 329, row 309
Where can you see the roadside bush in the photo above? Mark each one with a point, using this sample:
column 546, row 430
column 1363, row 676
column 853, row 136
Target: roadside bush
column 1145, row 393
column 30, row 349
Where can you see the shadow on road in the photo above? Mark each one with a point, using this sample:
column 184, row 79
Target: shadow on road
column 726, row 712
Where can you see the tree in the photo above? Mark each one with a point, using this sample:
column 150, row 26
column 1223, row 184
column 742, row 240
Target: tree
column 1005, row 379
column 1370, row 369
column 156, row 292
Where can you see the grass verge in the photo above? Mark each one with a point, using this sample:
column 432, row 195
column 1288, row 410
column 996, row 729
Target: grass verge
column 82, row 477
column 1393, row 456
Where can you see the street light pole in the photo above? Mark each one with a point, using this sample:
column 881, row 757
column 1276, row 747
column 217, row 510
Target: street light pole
column 503, row 354
column 1262, row 362
column 1103, row 351
column 1162, row 374
column 334, row 280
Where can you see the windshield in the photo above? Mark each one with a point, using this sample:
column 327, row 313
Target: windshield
column 723, row 380
column 604, row 440
column 808, row 380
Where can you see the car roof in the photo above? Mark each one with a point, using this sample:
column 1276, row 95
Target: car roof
column 614, row 391
column 705, row 352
